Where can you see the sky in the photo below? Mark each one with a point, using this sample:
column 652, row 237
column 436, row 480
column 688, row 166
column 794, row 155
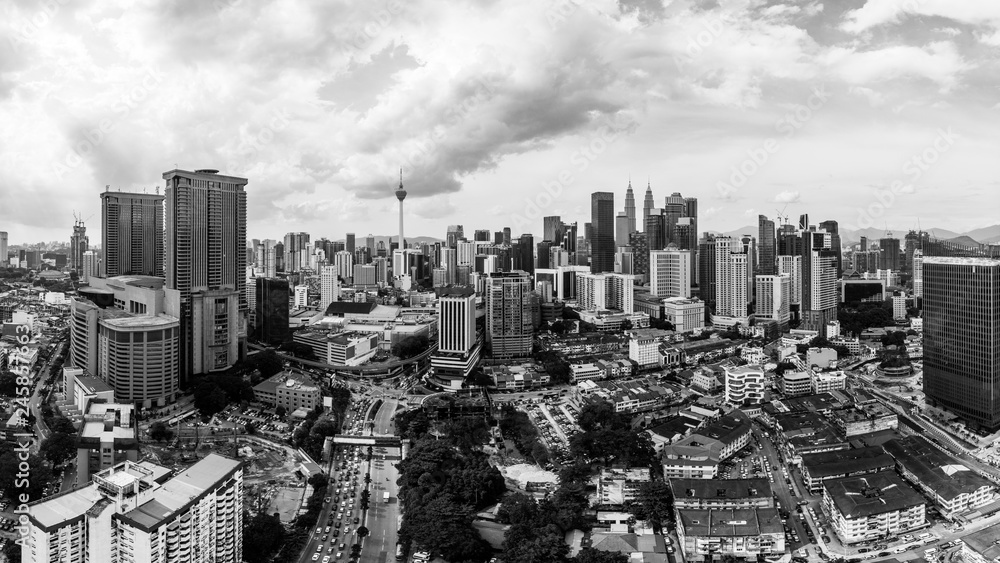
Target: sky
column 499, row 112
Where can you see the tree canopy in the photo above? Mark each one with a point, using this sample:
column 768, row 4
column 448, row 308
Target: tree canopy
column 410, row 346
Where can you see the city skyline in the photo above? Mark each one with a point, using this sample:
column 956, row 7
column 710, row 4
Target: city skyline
column 855, row 98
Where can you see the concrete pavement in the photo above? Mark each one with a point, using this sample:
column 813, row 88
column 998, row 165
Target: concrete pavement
column 383, row 518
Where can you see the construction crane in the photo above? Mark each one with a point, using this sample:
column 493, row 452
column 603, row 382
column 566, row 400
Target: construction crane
column 781, row 215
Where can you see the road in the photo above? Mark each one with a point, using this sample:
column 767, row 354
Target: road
column 380, row 545
column 786, row 499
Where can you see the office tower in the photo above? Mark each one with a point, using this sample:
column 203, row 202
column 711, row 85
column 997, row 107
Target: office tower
column 349, row 243
column 552, row 229
column 455, row 233
column 767, row 247
column 206, row 267
column 670, row 272
column 630, row 208
column 833, row 228
column 523, row 253
column 595, row 292
column 773, row 295
column 498, row 237
column 918, row 275
column 459, row 343
column 656, row 229
column 889, row 248
column 602, row 213
column 961, row 312
column 133, row 512
column 3, row 249
column 748, row 245
column 364, row 277
column 91, row 265
column 369, row 243
column 267, row 258
column 78, row 244
column 623, row 261
column 296, row 256
column 558, row 257
column 640, row 254
column 466, row 253
column 508, row 318
column 481, row 235
column 732, row 292
column 301, row 297
column 647, row 208
column 132, row 231
column 792, row 266
column 804, row 222
column 381, row 271
column 344, row 262
column 272, row 310
column 544, row 254
column 506, row 235
column 569, row 238
column 864, row 244
column 706, row 271
column 449, row 261
column 621, row 230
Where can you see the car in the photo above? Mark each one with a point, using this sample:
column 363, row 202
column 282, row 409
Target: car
column 864, row 550
column 899, row 549
column 315, row 557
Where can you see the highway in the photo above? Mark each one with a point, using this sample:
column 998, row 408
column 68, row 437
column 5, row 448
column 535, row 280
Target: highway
column 380, row 545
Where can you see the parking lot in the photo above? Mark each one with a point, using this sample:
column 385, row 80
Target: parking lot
column 556, row 424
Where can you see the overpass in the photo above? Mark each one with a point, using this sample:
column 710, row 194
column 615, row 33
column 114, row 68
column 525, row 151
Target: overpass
column 374, row 440
column 384, row 369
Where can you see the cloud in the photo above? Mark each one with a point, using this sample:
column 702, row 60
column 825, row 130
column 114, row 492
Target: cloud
column 938, row 62
column 879, row 12
column 787, row 196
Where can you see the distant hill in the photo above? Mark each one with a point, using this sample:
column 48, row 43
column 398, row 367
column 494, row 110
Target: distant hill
column 848, row 237
column 964, row 241
column 986, row 234
column 359, row 240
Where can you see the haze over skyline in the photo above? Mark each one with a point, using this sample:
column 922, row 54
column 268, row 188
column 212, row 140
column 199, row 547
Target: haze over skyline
column 319, row 106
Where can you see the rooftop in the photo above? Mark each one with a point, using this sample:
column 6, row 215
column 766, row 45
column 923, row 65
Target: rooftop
column 721, row 488
column 184, row 488
column 959, row 261
column 725, row 522
column 985, row 542
column 141, row 321
column 945, row 475
column 847, row 462
column 867, row 495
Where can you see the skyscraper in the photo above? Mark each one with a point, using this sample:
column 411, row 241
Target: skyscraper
column 647, row 207
column 602, row 213
column 918, row 275
column 655, row 229
column 552, row 229
column 630, row 208
column 459, row 342
column 732, row 292
column 670, row 272
column 706, row 271
column 205, row 246
column 772, row 303
column 296, row 256
column 349, row 243
column 90, row 266
column 961, row 311
column 271, row 316
column 640, row 255
column 454, row 234
column 132, row 231
column 3, row 249
column 767, row 246
column 621, row 230
column 833, row 228
column 890, row 258
column 509, row 330
column 78, row 244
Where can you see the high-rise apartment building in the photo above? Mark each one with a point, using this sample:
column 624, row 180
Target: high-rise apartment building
column 640, row 255
column 732, row 292
column 296, row 255
column 773, row 296
column 670, row 272
column 819, row 291
column 918, row 275
column 509, row 330
column 132, row 230
column 605, row 291
column 3, row 249
column 91, row 266
column 78, row 244
column 136, row 512
column 792, row 266
column 343, row 261
column 961, row 312
column 833, row 228
column 766, row 247
column 602, row 244
column 205, row 267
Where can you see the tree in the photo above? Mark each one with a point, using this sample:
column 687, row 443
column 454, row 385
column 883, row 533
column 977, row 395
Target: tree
column 249, row 428
column 362, row 532
column 654, row 502
column 591, row 555
column 266, row 362
column 58, row 448
column 626, row 325
column 9, row 468
column 262, row 538
column 558, row 327
column 8, row 384
column 281, row 411
column 209, row 398
column 159, row 432
column 299, row 350
column 410, row 346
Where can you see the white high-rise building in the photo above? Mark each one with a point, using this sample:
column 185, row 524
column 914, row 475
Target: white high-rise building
column 918, row 273
column 466, row 253
column 898, row 306
column 91, row 265
column 823, row 281
column 606, row 290
column 329, row 287
column 773, row 298
column 3, row 248
column 459, row 347
column 670, row 272
column 731, row 288
column 130, row 513
column 343, row 261
column 792, row 265
column 301, row 297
